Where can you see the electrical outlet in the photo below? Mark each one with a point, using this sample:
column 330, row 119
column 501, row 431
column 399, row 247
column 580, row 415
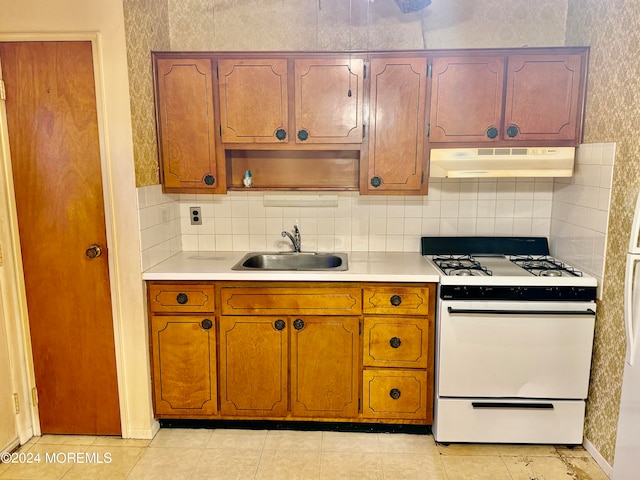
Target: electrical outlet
column 196, row 215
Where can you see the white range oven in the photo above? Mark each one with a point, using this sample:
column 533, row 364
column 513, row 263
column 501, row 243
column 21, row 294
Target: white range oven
column 514, row 336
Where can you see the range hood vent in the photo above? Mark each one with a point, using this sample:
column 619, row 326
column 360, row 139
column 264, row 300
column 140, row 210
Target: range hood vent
column 502, row 162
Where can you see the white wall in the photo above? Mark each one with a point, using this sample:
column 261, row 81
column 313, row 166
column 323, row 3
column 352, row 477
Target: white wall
column 103, row 20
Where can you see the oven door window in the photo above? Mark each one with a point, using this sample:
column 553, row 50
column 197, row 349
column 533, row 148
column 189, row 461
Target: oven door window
column 515, row 349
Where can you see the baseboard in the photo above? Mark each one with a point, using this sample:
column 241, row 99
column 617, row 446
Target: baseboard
column 144, row 433
column 604, row 465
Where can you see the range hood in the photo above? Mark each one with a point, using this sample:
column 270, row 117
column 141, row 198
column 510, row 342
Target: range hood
column 502, row 162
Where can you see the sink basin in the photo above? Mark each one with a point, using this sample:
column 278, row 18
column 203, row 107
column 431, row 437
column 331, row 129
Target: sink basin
column 292, row 261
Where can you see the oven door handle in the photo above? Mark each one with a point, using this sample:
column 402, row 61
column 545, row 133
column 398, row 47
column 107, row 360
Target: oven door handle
column 512, row 405
column 470, row 311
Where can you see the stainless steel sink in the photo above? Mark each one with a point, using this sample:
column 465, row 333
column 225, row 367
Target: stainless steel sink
column 292, row 261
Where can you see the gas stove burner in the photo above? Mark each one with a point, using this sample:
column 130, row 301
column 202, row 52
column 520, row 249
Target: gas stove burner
column 533, row 264
column 460, row 265
column 451, row 264
column 462, row 273
column 551, row 273
column 544, row 266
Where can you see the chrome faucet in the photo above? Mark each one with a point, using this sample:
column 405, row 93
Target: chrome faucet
column 295, row 238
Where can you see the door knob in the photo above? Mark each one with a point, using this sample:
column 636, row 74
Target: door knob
column 93, row 251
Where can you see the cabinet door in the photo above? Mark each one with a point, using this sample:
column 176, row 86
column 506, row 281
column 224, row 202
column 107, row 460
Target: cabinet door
column 184, row 103
column 253, row 366
column 184, row 365
column 466, row 99
column 397, row 126
column 544, row 96
column 328, row 100
column 324, row 367
column 253, row 100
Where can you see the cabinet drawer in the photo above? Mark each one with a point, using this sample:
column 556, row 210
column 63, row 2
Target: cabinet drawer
column 294, row 301
column 181, row 298
column 397, row 300
column 396, row 342
column 395, row 394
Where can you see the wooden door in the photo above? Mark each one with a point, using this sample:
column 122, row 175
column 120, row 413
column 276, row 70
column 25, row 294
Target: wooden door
column 466, row 99
column 543, row 98
column 324, row 367
column 186, row 127
column 328, row 100
column 396, row 160
column 253, row 366
column 254, row 101
column 184, row 365
column 55, row 156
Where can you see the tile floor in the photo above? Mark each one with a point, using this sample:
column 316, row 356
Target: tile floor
column 221, row 454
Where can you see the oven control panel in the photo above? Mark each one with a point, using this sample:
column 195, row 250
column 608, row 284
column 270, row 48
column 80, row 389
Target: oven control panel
column 504, row 292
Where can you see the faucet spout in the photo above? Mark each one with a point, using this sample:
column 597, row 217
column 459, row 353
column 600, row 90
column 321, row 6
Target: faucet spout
column 296, row 240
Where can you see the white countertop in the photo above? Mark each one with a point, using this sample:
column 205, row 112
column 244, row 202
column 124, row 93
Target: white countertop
column 363, row 267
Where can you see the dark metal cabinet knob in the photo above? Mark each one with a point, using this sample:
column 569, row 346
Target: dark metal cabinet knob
column 281, row 134
column 279, row 325
column 395, row 393
column 395, row 300
column 395, row 342
column 209, row 179
column 376, row 182
column 303, row 135
column 298, row 324
column 206, row 324
column 512, row 131
column 492, row 132
column 182, row 298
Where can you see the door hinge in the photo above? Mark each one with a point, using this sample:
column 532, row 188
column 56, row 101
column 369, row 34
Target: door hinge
column 217, row 73
column 3, row 92
column 364, row 130
column 428, row 130
column 34, row 397
column 359, row 406
column 422, row 179
column 220, row 131
column 16, row 403
column 365, row 72
column 429, row 70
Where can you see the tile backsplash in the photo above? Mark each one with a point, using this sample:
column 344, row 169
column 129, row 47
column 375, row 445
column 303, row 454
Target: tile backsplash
column 572, row 212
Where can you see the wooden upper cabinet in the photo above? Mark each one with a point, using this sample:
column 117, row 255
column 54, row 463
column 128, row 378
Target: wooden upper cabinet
column 466, row 99
column 396, row 157
column 254, row 100
column 185, row 123
column 328, row 100
column 256, row 95
column 543, row 97
column 509, row 99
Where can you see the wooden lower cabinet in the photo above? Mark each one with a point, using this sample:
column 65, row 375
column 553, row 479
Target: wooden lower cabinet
column 184, row 365
column 254, row 355
column 315, row 351
column 395, row 394
column 324, row 367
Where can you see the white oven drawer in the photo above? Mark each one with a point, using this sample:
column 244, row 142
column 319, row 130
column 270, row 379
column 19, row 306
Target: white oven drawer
column 509, row 421
column 499, row 349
